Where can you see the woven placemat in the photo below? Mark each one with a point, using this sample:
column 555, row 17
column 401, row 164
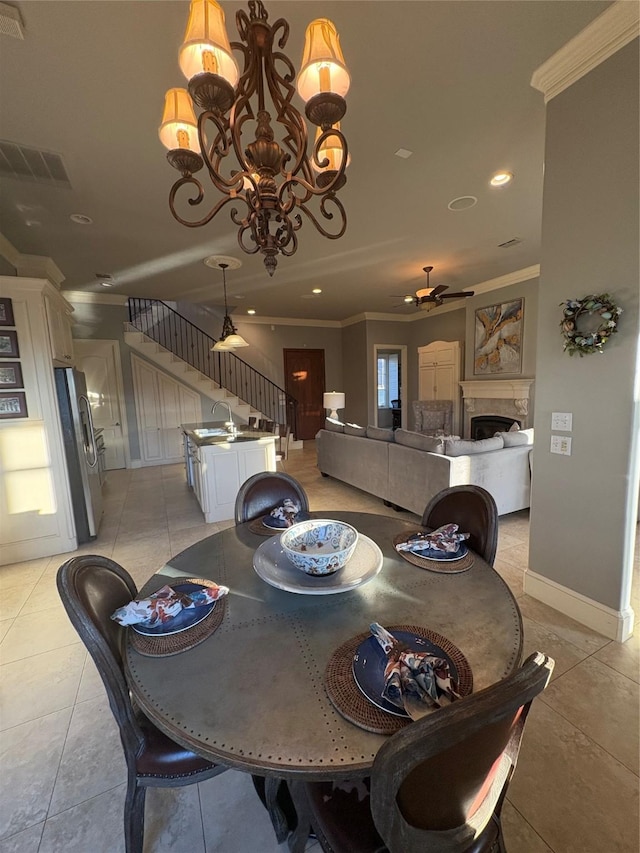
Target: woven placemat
column 171, row 644
column 447, row 568
column 345, row 696
column 256, row 526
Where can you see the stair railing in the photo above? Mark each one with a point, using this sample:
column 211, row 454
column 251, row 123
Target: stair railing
column 184, row 339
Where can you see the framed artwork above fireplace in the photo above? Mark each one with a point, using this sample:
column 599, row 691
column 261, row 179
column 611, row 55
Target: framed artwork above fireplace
column 498, row 339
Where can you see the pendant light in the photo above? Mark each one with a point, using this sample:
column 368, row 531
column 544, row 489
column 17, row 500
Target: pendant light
column 229, row 339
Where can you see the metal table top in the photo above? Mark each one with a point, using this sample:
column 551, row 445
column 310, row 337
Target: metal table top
column 251, row 695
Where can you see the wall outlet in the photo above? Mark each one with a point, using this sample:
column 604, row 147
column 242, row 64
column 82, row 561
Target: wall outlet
column 561, row 421
column 561, row 444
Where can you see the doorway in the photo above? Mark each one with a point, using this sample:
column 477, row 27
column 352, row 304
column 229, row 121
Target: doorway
column 304, row 381
column 100, row 362
column 390, row 385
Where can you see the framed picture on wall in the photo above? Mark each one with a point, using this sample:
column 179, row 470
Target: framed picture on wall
column 10, row 375
column 9, row 344
column 498, row 338
column 13, row 404
column 6, row 312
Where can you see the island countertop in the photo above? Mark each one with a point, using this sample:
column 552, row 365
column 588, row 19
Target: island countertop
column 218, row 433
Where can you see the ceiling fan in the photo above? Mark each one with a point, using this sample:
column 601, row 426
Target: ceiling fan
column 434, row 295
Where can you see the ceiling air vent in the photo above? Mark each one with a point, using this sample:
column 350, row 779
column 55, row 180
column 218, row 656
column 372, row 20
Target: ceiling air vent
column 508, row 243
column 10, row 22
column 31, row 164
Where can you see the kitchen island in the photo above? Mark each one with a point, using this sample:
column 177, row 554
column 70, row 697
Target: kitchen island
column 218, row 461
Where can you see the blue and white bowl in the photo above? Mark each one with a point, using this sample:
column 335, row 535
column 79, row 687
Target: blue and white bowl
column 319, row 546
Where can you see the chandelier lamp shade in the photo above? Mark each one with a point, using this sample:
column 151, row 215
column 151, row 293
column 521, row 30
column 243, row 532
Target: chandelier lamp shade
column 249, row 135
column 333, row 400
column 229, row 338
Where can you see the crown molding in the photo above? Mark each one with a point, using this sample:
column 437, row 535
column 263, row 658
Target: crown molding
column 517, row 277
column 603, row 37
column 284, row 321
column 89, row 297
column 9, row 251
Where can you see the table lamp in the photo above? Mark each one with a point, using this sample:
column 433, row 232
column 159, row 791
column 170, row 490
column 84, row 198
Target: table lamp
column 333, row 400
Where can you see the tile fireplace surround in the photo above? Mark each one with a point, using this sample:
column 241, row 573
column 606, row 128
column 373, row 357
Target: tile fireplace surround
column 508, row 398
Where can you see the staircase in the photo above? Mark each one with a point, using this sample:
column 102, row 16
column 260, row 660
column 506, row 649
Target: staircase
column 168, row 339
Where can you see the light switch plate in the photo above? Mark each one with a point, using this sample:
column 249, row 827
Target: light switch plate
column 561, row 421
column 561, row 444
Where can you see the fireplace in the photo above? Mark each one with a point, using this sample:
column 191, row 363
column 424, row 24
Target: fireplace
column 484, row 426
column 503, row 401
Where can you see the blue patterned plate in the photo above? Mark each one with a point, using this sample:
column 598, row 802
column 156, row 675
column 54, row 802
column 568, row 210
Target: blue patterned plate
column 369, row 662
column 184, row 620
column 441, row 556
column 278, row 524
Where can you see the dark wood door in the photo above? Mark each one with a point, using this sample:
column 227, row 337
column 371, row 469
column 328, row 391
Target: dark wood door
column 304, row 380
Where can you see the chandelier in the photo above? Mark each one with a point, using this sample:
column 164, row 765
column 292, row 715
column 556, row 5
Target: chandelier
column 269, row 183
column 229, row 338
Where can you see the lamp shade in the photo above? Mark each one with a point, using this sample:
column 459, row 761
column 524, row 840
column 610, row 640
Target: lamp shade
column 235, row 341
column 333, row 400
column 323, row 67
column 206, row 45
column 178, row 128
column 221, row 346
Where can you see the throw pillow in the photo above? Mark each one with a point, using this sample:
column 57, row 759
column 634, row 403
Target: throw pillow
column 461, row 447
column 354, row 429
column 379, row 433
column 432, row 421
column 333, row 425
column 419, row 441
column 515, row 439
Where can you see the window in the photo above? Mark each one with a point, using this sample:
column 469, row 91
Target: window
column 388, row 379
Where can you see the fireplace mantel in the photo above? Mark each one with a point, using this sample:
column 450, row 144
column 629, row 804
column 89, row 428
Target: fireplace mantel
column 497, row 389
column 505, row 397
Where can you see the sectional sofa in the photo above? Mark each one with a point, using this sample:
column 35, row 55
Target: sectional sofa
column 406, row 469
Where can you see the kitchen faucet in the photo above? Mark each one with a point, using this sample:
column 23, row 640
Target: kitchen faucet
column 231, row 427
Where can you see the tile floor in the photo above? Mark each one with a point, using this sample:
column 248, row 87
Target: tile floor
column 62, row 770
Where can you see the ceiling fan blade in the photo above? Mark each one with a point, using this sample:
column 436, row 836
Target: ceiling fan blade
column 456, row 295
column 440, row 288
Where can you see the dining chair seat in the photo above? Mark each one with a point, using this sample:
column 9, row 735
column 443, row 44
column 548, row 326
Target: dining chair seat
column 91, row 588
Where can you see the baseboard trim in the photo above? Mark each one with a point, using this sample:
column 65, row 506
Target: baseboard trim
column 615, row 624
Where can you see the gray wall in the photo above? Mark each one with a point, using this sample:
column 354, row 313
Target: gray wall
column 355, row 382
column 583, row 506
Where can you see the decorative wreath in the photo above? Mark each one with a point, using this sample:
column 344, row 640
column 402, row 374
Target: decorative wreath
column 585, row 343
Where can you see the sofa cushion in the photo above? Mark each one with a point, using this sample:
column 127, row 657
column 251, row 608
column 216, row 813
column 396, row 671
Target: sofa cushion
column 333, row 425
column 419, row 441
column 514, row 439
column 379, row 434
column 354, row 429
column 461, row 447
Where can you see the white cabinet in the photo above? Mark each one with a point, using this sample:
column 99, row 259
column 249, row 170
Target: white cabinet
column 439, row 366
column 220, row 469
column 162, row 404
column 59, row 323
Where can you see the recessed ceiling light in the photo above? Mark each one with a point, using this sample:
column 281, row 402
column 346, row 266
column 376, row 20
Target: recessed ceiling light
column 501, row 179
column 317, row 290
column 106, row 283
column 463, row 202
column 404, row 153
column 32, row 223
column 81, row 219
column 251, row 310
column 214, row 262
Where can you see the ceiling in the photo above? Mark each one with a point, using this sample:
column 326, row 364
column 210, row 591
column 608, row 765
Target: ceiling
column 449, row 81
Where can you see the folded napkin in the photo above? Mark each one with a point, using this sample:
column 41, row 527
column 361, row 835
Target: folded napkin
column 164, row 604
column 414, row 681
column 286, row 514
column 445, row 539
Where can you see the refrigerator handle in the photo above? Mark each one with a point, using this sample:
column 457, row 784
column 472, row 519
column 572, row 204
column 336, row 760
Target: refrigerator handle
column 92, row 460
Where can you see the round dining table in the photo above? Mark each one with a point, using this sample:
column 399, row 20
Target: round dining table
column 252, row 696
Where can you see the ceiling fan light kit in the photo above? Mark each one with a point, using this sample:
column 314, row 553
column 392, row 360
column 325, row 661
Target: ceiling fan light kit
column 432, row 297
column 273, row 181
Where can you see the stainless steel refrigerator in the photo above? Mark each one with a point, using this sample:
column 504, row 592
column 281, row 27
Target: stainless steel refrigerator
column 80, row 450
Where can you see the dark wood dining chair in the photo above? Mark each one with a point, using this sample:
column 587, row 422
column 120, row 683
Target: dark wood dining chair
column 261, row 493
column 475, row 512
column 91, row 588
column 437, row 786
